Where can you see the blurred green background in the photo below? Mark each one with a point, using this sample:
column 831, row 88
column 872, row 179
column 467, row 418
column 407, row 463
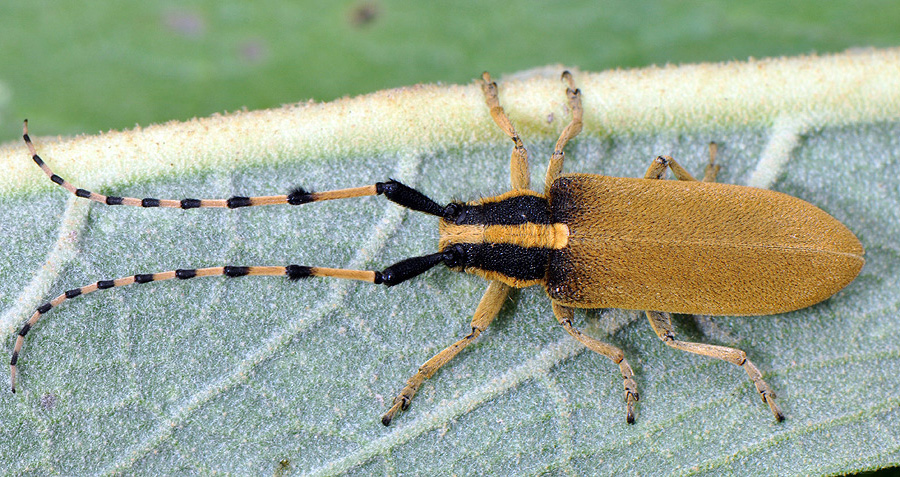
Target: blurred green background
column 87, row 66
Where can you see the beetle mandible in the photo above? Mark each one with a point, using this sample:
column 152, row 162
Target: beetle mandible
column 592, row 241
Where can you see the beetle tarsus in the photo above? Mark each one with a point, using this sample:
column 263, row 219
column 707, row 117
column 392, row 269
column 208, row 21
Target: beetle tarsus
column 768, row 397
column 631, row 397
column 401, row 403
column 779, row 416
column 765, row 392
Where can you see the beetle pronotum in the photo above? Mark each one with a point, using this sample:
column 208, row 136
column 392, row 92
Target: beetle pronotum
column 592, row 241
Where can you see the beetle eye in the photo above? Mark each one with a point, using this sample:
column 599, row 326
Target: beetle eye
column 452, row 211
column 454, row 256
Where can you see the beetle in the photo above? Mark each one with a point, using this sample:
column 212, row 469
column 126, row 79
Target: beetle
column 591, row 241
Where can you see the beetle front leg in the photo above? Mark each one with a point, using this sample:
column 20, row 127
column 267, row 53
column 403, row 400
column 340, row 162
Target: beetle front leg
column 662, row 325
column 564, row 314
column 487, row 310
column 518, row 162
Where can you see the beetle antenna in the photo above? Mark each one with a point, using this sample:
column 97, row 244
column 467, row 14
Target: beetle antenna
column 392, row 189
column 390, row 276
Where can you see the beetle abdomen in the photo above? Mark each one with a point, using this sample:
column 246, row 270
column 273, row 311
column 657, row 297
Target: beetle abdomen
column 693, row 247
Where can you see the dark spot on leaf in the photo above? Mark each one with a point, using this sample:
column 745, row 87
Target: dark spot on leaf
column 48, row 401
column 282, row 468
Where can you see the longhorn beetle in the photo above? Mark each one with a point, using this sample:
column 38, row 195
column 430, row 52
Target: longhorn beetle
column 591, row 241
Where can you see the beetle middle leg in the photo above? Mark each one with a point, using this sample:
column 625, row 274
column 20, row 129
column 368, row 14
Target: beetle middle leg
column 564, row 314
column 487, row 310
column 662, row 325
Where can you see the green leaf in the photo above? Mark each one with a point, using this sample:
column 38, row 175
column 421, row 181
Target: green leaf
column 262, row 375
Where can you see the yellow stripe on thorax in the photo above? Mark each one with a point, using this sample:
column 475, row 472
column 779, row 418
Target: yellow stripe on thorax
column 529, row 235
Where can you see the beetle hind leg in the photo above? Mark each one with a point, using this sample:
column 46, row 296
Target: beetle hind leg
column 662, row 325
column 659, row 165
column 712, row 169
column 564, row 314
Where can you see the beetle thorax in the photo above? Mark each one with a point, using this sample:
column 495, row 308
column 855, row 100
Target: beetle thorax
column 507, row 238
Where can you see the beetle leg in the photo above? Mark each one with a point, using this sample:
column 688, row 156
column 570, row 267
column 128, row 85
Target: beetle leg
column 518, row 163
column 570, row 131
column 487, row 310
column 659, row 165
column 564, row 314
column 712, row 169
column 662, row 325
